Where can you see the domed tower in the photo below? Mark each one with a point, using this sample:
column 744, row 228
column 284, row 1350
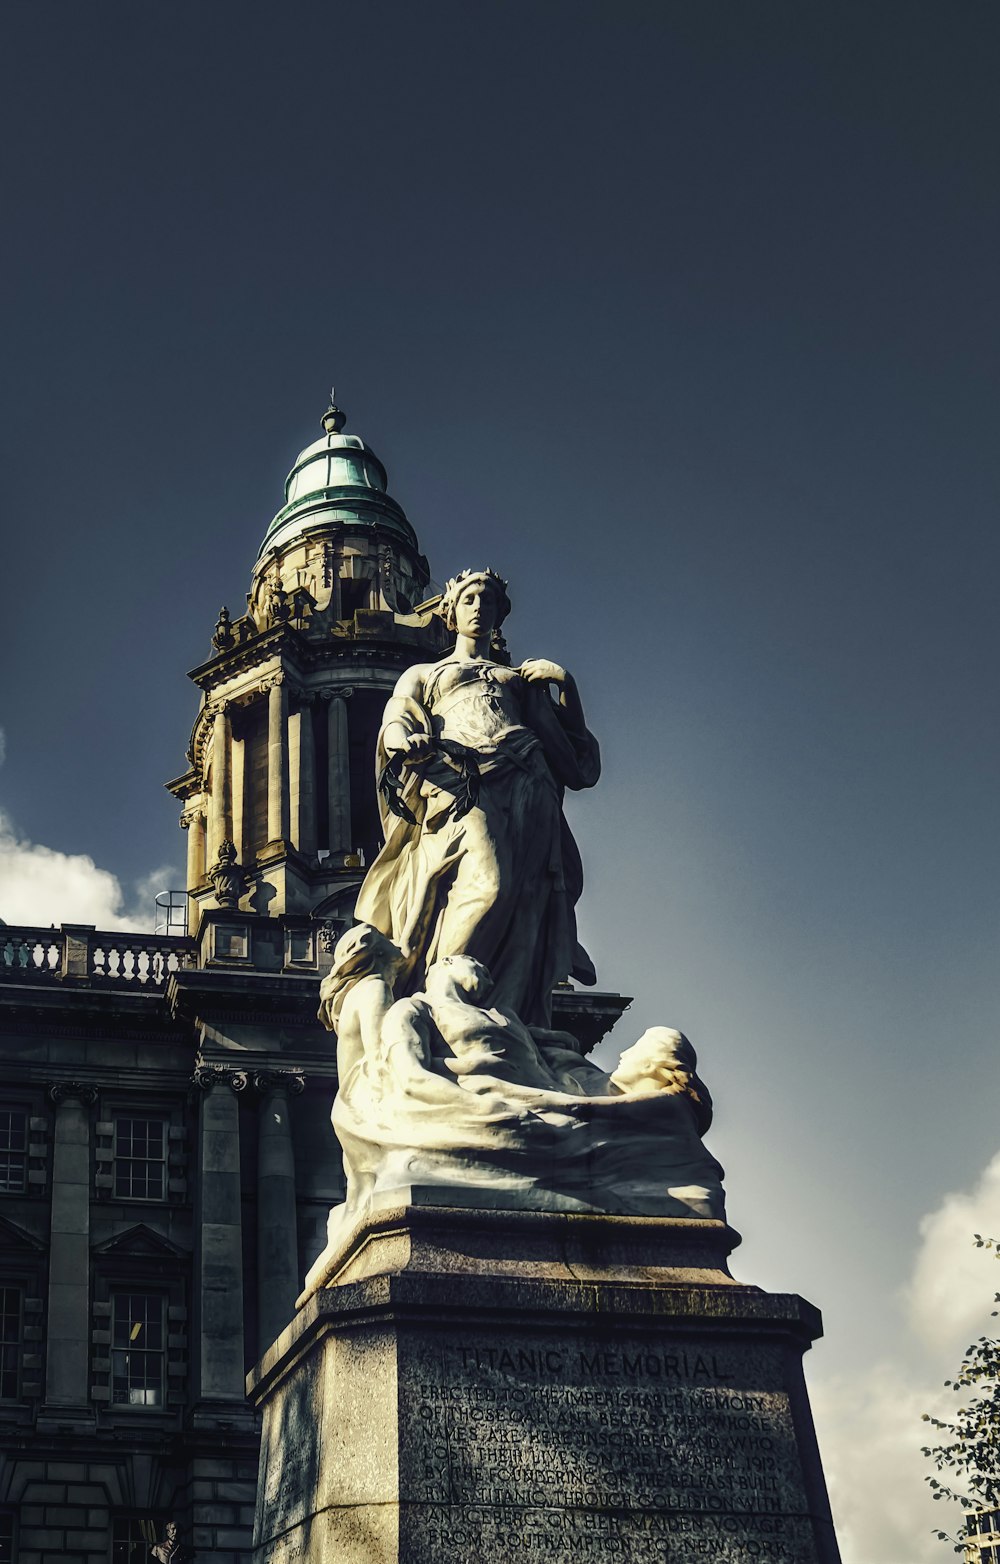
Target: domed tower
column 279, row 801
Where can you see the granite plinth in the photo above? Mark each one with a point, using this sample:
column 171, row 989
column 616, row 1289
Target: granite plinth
column 553, row 1387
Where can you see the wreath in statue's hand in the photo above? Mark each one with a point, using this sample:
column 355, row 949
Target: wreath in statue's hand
column 463, row 761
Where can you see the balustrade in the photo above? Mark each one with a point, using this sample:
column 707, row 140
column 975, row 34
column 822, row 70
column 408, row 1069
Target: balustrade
column 143, row 961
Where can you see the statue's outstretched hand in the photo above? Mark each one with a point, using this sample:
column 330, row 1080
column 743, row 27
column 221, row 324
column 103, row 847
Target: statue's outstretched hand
column 538, row 670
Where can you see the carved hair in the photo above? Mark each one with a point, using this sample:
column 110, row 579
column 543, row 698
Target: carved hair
column 359, row 953
column 670, row 1066
column 456, row 586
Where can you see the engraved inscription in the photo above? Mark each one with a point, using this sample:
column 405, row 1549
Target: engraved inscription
column 637, row 1452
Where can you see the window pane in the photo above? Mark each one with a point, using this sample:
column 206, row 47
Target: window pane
column 139, row 1159
column 6, row 1537
column 131, row 1538
column 137, row 1349
column 10, row 1342
column 13, row 1151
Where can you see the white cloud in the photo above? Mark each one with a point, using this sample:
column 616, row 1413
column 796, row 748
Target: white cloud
column 870, row 1424
column 40, row 885
column 870, row 1435
column 953, row 1282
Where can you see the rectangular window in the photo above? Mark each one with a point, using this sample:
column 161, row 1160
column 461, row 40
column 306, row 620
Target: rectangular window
column 137, row 1349
column 13, row 1151
column 10, row 1342
column 6, row 1537
column 131, row 1539
column 140, row 1166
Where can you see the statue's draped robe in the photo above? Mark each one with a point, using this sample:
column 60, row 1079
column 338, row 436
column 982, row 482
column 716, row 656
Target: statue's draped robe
column 501, row 883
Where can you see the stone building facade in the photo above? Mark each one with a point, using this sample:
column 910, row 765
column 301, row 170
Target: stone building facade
column 166, row 1158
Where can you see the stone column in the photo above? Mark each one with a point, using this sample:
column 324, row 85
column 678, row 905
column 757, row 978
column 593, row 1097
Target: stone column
column 278, row 1279
column 193, row 822
column 218, row 1332
column 67, row 1356
column 220, row 820
column 338, row 772
column 303, row 782
column 277, row 760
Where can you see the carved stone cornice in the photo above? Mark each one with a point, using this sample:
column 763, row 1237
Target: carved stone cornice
column 208, row 1075
column 292, row 1081
column 69, row 1091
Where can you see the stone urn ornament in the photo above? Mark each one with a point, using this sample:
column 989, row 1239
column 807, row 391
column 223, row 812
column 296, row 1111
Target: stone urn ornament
column 228, row 875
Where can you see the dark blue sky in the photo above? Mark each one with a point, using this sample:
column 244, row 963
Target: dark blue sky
column 685, row 316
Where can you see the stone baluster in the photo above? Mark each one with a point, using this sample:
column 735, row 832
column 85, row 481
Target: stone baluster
column 277, row 760
column 278, row 1275
column 67, row 1357
column 219, row 1366
column 303, row 782
column 338, row 772
column 221, row 804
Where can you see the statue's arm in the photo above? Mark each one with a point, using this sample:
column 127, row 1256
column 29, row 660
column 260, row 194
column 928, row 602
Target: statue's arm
column 405, row 729
column 570, row 748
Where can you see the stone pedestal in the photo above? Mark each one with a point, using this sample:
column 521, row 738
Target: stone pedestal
column 497, row 1386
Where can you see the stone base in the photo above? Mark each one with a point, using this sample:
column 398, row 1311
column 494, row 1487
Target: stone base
column 495, row 1385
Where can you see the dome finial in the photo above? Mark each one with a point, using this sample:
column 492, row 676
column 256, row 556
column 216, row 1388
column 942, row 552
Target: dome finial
column 333, row 419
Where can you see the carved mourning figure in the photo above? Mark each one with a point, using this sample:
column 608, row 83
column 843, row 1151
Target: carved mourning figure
column 444, row 1089
column 473, row 760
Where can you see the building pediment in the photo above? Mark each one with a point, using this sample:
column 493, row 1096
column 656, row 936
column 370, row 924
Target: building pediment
column 17, row 1240
column 141, row 1242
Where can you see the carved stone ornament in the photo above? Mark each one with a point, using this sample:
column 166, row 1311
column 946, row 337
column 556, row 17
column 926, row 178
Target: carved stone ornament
column 292, row 1081
column 208, row 1075
column 190, row 817
column 329, row 933
column 65, row 1091
column 228, row 876
column 223, row 637
column 336, row 692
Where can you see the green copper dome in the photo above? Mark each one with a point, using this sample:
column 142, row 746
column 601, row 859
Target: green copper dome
column 337, row 481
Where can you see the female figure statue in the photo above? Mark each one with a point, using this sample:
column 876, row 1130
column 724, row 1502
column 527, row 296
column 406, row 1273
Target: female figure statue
column 473, row 759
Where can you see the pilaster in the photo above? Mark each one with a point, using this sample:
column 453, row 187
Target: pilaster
column 67, row 1390
column 219, row 1256
column 277, row 1244
column 277, row 760
column 220, row 822
column 339, row 770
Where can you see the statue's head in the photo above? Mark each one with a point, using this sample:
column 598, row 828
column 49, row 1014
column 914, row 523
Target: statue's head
column 661, row 1061
column 475, row 602
column 361, row 952
column 458, row 977
column 170, row 1531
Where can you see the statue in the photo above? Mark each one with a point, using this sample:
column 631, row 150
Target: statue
column 451, row 1077
column 170, row 1551
column 473, row 760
